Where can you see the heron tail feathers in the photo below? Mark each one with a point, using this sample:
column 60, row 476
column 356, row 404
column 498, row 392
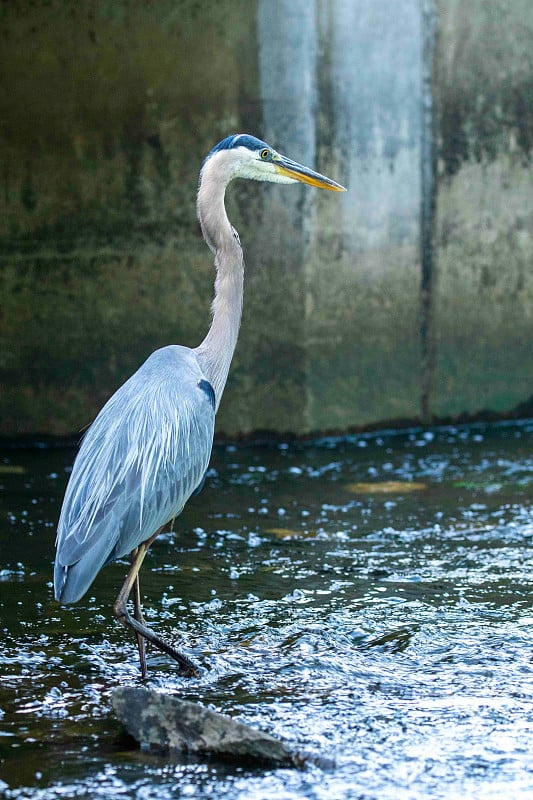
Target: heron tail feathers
column 71, row 581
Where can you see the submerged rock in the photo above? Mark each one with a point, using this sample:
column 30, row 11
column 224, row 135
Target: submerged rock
column 167, row 723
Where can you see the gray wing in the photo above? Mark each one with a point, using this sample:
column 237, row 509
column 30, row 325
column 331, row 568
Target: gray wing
column 142, row 458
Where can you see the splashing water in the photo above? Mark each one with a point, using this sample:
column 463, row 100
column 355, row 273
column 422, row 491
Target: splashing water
column 368, row 599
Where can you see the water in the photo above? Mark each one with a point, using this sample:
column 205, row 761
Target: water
column 387, row 631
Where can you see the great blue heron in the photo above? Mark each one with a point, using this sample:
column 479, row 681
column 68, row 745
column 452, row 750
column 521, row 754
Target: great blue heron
column 148, row 449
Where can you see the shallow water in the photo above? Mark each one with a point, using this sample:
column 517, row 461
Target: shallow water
column 367, row 599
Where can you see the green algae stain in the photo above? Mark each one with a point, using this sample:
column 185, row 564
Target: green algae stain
column 107, row 112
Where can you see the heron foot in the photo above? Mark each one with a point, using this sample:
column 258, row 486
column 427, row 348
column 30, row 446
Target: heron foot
column 137, row 623
column 187, row 668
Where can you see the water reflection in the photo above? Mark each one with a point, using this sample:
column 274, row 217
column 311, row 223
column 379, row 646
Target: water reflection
column 367, row 599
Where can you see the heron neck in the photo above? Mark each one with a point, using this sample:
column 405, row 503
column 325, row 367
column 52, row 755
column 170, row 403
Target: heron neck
column 216, row 350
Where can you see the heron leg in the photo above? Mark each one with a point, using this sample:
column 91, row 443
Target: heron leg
column 139, row 626
column 138, row 615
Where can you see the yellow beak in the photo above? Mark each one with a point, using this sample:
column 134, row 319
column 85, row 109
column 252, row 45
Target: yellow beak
column 303, row 174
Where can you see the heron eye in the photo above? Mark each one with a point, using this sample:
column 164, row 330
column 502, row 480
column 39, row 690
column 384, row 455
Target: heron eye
column 265, row 153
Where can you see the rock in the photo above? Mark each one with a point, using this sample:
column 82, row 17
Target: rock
column 167, row 723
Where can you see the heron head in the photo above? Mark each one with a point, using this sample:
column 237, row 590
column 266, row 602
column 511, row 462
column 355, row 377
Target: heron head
column 245, row 156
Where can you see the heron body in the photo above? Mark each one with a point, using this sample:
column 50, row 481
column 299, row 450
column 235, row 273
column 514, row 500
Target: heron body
column 119, row 494
column 148, row 449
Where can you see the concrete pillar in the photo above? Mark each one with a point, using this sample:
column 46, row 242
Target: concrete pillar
column 363, row 280
column 483, row 87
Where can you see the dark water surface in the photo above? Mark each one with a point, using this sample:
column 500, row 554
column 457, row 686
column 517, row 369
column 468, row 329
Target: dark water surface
column 368, row 599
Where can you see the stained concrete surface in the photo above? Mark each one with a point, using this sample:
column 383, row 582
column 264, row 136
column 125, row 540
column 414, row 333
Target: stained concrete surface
column 484, row 224
column 107, row 110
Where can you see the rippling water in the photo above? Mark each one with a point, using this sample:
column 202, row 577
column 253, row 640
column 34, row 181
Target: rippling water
column 367, row 599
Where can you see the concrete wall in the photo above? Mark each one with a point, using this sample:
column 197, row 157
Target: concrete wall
column 484, row 225
column 106, row 111
column 364, row 272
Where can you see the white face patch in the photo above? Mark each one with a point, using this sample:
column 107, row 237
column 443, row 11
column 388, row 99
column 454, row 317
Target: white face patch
column 240, row 162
